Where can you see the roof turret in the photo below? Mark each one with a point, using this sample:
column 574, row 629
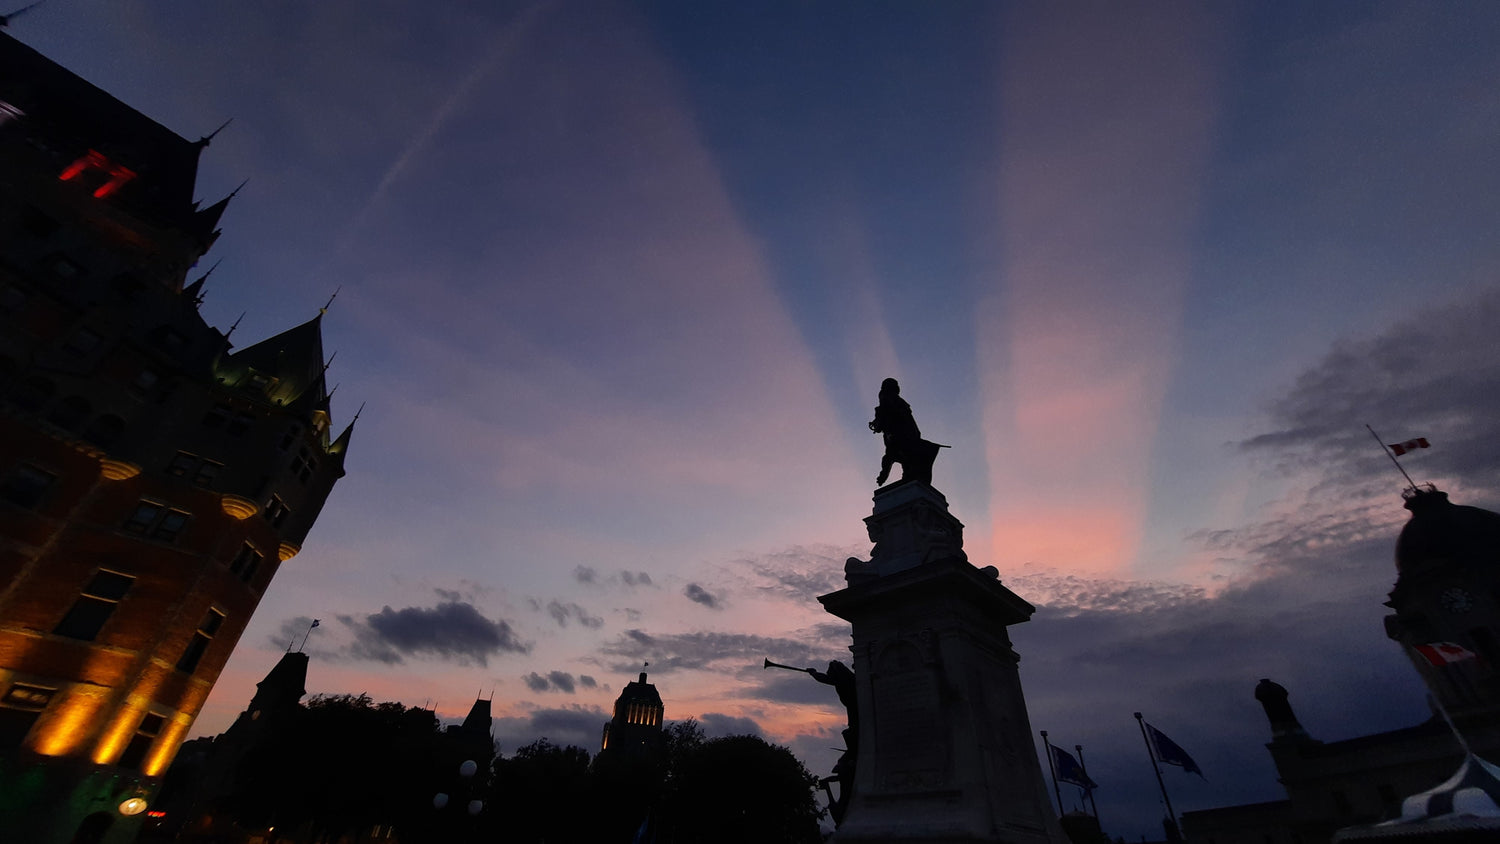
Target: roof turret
column 1441, row 533
column 286, row 369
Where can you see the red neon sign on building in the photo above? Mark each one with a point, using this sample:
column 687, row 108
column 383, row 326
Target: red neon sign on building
column 118, row 175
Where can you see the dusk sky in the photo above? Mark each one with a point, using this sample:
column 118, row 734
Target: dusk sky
column 619, row 283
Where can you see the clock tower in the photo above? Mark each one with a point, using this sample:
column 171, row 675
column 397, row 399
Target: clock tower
column 1447, row 594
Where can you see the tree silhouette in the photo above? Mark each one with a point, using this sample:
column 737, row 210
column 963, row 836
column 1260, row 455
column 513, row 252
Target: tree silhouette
column 737, row 790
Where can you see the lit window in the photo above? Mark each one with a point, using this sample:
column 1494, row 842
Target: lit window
column 26, row 486
column 277, row 511
column 246, row 562
column 201, row 638
column 145, row 735
column 94, row 606
column 22, row 704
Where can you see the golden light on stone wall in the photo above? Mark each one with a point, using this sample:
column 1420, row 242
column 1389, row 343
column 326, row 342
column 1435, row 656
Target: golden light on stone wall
column 113, row 743
column 64, row 731
column 166, row 746
column 238, row 506
column 287, row 550
column 118, row 470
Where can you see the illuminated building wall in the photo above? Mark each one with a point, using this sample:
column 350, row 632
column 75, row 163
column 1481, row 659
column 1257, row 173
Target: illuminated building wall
column 636, row 726
column 152, row 477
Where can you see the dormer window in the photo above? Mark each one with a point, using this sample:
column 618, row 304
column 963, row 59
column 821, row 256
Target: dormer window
column 303, row 465
column 277, row 511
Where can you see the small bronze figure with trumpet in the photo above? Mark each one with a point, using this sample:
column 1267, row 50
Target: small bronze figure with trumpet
column 841, row 677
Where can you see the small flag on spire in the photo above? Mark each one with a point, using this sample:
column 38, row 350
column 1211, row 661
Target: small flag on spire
column 1443, row 653
column 1399, row 449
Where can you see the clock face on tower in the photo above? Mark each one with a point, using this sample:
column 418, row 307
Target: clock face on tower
column 1456, row 600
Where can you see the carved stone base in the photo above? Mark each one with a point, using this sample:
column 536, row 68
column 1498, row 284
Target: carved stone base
column 945, row 749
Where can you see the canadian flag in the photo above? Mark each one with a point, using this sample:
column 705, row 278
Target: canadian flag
column 1410, row 445
column 1442, row 653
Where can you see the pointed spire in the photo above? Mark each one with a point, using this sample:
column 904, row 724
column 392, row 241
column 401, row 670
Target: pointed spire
column 6, row 19
column 206, row 222
column 207, row 139
column 236, row 325
column 328, row 304
column 194, row 292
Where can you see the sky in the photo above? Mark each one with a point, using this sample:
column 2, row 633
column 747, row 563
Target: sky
column 618, row 283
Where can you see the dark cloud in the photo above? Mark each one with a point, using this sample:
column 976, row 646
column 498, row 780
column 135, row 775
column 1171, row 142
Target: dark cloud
column 585, row 574
column 563, row 613
column 1435, row 375
column 581, row 726
column 720, row 651
column 452, row 630
column 560, row 681
column 717, row 724
column 800, row 572
column 587, row 682
column 1306, row 605
column 635, row 578
column 698, row 595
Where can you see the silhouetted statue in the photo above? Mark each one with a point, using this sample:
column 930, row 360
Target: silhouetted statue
column 1273, row 698
column 903, row 440
column 841, row 678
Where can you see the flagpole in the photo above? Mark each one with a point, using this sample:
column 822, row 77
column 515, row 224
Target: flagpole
column 1052, row 766
column 1409, row 482
column 1149, row 752
column 305, row 635
column 1089, row 791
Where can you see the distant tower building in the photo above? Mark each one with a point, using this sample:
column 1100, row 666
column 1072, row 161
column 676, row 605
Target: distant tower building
column 636, row 727
column 151, row 481
column 1448, row 590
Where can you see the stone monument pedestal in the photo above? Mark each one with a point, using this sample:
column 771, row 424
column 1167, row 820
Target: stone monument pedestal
column 945, row 751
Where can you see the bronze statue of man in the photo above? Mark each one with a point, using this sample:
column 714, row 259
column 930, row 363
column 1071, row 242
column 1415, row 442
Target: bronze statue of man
column 903, row 440
column 841, row 678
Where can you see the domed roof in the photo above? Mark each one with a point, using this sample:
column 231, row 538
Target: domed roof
column 1441, row 532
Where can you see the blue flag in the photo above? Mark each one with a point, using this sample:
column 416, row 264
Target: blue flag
column 1068, row 769
column 1170, row 753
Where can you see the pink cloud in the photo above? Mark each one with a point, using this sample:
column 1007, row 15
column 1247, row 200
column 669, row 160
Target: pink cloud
column 1107, row 121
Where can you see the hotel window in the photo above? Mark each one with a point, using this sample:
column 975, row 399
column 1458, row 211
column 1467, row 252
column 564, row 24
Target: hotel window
column 202, row 470
column 303, row 466
column 145, row 736
column 290, row 437
column 156, row 521
column 246, row 562
column 94, row 607
column 22, row 704
column 26, row 486
column 201, row 638
column 277, row 511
